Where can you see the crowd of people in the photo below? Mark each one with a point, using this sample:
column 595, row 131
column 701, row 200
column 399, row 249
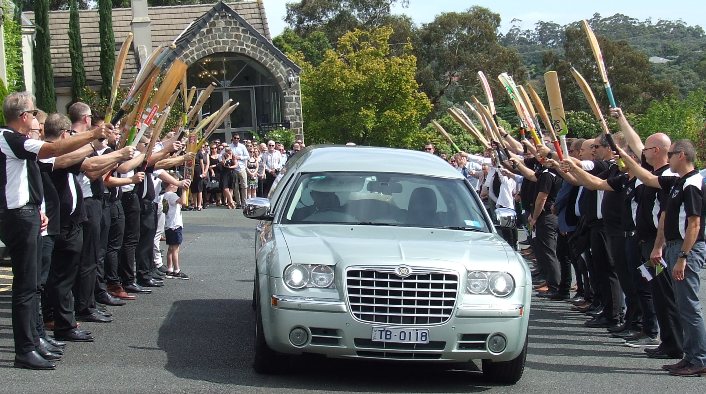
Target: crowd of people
column 228, row 174
column 82, row 221
column 623, row 218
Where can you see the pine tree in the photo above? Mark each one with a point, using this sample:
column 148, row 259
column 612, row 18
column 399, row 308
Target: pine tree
column 43, row 73
column 107, row 56
column 78, row 73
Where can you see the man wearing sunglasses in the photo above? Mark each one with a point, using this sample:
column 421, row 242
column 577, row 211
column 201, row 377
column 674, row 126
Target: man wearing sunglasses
column 21, row 193
column 681, row 233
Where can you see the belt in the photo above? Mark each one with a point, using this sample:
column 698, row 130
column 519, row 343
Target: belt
column 130, row 193
column 629, row 233
column 26, row 207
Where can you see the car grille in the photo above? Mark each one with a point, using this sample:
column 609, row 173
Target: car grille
column 381, row 296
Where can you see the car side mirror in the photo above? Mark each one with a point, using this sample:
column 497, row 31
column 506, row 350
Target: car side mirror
column 505, row 217
column 258, row 208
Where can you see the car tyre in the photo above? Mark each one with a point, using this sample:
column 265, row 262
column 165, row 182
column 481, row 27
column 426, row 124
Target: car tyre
column 506, row 372
column 266, row 360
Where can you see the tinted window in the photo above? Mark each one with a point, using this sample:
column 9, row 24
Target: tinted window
column 383, row 199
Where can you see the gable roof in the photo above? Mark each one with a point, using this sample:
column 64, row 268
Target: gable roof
column 166, row 23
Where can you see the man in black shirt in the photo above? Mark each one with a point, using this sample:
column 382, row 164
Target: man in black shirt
column 681, row 230
column 21, row 193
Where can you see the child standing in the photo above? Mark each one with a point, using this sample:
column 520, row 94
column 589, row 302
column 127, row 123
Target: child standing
column 251, row 168
column 173, row 229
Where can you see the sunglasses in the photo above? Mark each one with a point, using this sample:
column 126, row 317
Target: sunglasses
column 670, row 154
column 34, row 112
column 596, row 146
column 648, row 149
column 270, row 145
column 428, row 149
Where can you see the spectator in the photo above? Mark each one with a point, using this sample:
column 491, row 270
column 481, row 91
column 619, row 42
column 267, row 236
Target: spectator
column 173, row 230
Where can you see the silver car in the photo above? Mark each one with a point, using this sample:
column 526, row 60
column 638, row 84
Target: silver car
column 385, row 254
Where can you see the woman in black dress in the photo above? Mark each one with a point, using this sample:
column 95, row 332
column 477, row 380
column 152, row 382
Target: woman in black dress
column 213, row 194
column 228, row 176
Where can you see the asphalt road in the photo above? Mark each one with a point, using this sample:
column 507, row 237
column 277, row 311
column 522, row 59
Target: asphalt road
column 197, row 336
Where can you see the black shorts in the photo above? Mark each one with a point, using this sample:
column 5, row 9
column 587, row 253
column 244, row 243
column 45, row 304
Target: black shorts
column 174, row 236
column 197, row 185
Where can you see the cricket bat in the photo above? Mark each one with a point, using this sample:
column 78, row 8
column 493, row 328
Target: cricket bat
column 522, row 111
column 463, row 123
column 446, row 135
column 169, row 83
column 488, row 96
column 130, row 125
column 542, row 112
column 200, row 101
column 118, row 73
column 217, row 122
column 598, row 55
column 556, row 108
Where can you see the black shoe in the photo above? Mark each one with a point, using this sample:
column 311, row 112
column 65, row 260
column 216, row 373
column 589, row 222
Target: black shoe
column 46, row 354
column 625, row 334
column 33, row 360
column 107, row 299
column 73, row 335
column 560, row 297
column 94, row 317
column 163, row 269
column 601, row 322
column 157, row 274
column 150, row 283
column 619, row 328
column 526, row 242
column 135, row 288
column 593, row 312
column 54, row 342
column 663, row 355
column 54, row 349
column 102, row 312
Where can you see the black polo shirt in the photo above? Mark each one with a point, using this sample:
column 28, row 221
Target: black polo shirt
column 145, row 189
column 51, row 197
column 20, row 178
column 70, row 196
column 686, row 198
column 626, row 188
column 591, row 200
column 648, row 206
column 547, row 182
column 612, row 204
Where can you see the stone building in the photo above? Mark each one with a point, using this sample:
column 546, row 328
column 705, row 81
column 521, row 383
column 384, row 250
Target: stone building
column 228, row 44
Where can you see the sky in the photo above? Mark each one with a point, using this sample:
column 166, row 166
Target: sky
column 530, row 12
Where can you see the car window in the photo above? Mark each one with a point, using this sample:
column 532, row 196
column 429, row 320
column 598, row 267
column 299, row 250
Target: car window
column 405, row 200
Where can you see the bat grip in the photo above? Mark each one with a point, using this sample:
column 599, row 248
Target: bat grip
column 611, row 98
column 614, row 148
column 559, row 152
column 118, row 115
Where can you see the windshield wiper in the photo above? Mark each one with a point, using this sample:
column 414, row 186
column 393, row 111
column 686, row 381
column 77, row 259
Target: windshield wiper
column 463, row 228
column 375, row 224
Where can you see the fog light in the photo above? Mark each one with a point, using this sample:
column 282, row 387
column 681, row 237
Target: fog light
column 496, row 343
column 298, row 336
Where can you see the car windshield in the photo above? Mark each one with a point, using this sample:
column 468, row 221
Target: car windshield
column 385, row 199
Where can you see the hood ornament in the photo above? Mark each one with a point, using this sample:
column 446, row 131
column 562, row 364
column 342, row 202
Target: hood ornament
column 403, row 271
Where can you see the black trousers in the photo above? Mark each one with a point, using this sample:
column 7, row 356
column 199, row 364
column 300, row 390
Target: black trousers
column 62, row 275
column 642, row 287
column 47, row 247
column 604, row 270
column 131, row 237
column 564, row 257
column 623, row 269
column 144, row 256
column 19, row 231
column 670, row 331
column 115, row 242
column 85, row 283
column 545, row 244
column 101, row 287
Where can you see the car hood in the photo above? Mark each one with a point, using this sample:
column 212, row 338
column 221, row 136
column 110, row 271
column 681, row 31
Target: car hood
column 371, row 245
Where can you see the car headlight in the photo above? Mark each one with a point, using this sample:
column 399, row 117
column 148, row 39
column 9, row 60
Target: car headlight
column 499, row 284
column 300, row 276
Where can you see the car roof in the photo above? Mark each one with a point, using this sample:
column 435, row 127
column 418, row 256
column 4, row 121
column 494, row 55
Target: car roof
column 321, row 158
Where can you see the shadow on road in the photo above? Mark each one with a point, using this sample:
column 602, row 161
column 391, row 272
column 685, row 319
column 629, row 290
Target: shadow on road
column 212, row 340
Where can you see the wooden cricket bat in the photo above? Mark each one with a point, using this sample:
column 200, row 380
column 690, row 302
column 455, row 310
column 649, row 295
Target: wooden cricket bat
column 189, row 98
column 539, row 105
column 169, row 83
column 461, row 121
column 532, row 111
column 217, row 122
column 470, row 123
column 485, row 113
column 200, row 101
column 156, row 132
column 118, row 73
column 598, row 55
column 488, row 96
column 556, row 105
column 446, row 135
column 483, row 122
column 129, row 127
column 522, row 111
column 591, row 99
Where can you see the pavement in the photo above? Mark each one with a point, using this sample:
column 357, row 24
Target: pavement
column 197, row 336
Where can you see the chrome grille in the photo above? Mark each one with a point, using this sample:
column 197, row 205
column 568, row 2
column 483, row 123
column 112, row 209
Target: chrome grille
column 381, row 296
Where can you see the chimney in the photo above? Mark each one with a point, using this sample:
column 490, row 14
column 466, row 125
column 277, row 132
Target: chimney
column 141, row 29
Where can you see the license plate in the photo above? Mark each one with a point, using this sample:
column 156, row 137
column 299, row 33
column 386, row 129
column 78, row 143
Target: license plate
column 400, row 335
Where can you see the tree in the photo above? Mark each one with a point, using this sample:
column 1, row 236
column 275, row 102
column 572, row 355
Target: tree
column 43, row 73
column 312, row 48
column 377, row 101
column 336, row 17
column 454, row 47
column 107, row 54
column 78, row 73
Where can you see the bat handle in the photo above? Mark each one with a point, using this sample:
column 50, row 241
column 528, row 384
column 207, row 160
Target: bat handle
column 564, row 147
column 614, row 148
column 558, row 149
column 118, row 115
column 495, row 119
column 611, row 98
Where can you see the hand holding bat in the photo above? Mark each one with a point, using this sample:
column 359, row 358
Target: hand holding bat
column 138, row 177
column 127, row 153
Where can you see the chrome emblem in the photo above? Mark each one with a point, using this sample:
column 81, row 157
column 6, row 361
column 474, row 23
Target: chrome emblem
column 403, row 271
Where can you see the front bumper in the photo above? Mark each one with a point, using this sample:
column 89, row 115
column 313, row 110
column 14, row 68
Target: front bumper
column 334, row 332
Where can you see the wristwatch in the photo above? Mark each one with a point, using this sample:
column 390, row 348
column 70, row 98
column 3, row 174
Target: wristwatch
column 683, row 254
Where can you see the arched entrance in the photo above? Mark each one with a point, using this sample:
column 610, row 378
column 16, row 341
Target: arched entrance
column 244, row 80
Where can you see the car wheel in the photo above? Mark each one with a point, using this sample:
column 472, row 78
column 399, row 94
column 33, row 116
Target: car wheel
column 506, row 372
column 266, row 360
